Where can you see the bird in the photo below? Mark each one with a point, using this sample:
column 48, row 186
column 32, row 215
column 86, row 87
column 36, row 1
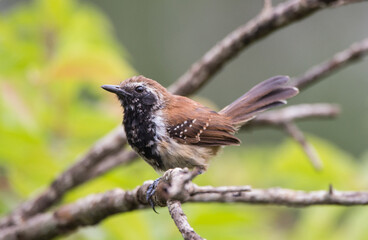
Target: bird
column 172, row 131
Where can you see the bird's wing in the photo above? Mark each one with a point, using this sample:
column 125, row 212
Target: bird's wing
column 194, row 124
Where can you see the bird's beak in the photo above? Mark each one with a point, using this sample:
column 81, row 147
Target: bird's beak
column 115, row 89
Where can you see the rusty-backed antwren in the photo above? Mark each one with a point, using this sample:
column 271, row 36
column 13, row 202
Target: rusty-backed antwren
column 170, row 131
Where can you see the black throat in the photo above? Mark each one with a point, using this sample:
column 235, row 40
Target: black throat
column 141, row 131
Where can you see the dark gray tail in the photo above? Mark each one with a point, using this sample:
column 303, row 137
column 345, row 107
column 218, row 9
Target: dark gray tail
column 267, row 94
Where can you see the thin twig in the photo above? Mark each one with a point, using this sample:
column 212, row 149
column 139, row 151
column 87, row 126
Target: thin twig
column 293, row 113
column 350, row 55
column 308, row 148
column 181, row 221
column 285, row 117
column 267, row 4
column 267, row 7
column 288, row 197
column 219, row 190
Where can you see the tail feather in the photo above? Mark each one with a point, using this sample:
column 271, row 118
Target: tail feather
column 265, row 95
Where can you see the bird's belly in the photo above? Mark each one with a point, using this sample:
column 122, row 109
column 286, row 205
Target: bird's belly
column 174, row 155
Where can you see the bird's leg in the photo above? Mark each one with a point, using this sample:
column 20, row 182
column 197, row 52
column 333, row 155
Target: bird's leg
column 198, row 171
column 151, row 191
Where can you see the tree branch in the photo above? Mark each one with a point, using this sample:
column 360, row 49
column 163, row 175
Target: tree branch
column 293, row 113
column 123, row 157
column 85, row 212
column 308, row 148
column 350, row 55
column 200, row 72
column 181, row 221
column 285, row 118
column 288, row 197
column 75, row 175
column 259, row 27
column 175, row 187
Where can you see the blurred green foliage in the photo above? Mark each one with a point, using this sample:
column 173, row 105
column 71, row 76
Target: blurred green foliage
column 55, row 55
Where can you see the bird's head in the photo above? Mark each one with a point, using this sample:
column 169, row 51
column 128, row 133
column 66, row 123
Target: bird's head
column 140, row 93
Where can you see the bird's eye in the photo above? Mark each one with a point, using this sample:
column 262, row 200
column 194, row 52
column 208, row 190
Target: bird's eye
column 139, row 89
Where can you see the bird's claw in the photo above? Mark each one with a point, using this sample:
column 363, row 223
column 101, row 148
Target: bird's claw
column 150, row 192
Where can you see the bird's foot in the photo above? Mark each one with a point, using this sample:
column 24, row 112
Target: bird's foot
column 151, row 191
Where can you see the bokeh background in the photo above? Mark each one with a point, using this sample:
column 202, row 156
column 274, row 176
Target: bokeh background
column 55, row 55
